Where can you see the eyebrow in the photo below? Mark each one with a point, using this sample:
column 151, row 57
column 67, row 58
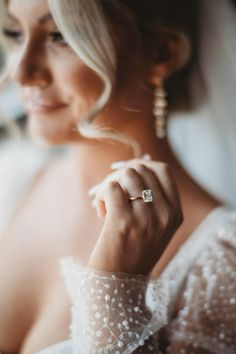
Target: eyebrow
column 41, row 20
column 45, row 18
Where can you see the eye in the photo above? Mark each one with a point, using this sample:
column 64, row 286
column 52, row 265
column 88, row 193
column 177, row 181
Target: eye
column 57, row 37
column 15, row 36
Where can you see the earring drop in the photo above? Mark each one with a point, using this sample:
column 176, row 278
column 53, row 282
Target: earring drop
column 160, row 111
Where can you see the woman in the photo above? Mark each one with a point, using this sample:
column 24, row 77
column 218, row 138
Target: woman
column 89, row 72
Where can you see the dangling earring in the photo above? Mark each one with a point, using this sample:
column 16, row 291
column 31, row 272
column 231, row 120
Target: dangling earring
column 160, row 111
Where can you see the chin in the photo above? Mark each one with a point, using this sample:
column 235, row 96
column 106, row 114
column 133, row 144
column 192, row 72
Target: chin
column 45, row 142
column 45, row 134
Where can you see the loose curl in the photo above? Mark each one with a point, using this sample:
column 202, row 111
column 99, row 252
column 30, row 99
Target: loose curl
column 97, row 30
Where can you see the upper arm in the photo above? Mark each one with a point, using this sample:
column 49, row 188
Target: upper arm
column 206, row 317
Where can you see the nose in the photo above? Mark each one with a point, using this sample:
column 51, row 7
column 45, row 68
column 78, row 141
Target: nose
column 31, row 68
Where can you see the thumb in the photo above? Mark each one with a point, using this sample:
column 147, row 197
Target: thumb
column 101, row 209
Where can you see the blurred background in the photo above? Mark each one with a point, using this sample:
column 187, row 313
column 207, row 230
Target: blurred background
column 198, row 142
column 11, row 108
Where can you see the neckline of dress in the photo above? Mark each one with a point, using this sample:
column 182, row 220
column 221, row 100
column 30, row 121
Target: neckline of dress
column 195, row 234
column 211, row 215
column 188, row 252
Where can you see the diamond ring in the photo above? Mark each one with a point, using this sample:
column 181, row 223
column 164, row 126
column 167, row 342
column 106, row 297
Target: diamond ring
column 146, row 196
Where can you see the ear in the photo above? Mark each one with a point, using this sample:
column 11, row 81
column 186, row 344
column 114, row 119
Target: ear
column 178, row 49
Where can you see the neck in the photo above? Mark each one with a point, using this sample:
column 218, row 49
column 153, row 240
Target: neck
column 93, row 160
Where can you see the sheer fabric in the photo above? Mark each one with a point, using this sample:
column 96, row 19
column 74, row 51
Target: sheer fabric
column 196, row 295
column 201, row 309
column 117, row 312
column 203, row 314
column 204, row 139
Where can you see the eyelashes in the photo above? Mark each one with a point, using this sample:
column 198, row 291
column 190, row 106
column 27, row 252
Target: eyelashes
column 56, row 36
column 17, row 36
column 12, row 35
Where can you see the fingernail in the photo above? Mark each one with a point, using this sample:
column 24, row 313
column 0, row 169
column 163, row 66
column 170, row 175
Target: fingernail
column 94, row 203
column 147, row 157
column 99, row 215
column 93, row 190
column 117, row 165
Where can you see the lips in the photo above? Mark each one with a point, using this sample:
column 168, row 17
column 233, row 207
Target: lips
column 43, row 106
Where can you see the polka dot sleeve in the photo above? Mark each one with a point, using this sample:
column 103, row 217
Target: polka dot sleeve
column 113, row 313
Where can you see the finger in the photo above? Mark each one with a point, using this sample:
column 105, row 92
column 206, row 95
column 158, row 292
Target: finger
column 169, row 187
column 92, row 191
column 147, row 157
column 116, row 175
column 133, row 184
column 120, row 164
column 116, row 202
column 101, row 209
column 98, row 191
column 160, row 202
column 117, row 165
column 162, row 172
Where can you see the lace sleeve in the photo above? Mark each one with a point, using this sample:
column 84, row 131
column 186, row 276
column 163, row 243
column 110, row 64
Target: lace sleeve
column 206, row 313
column 113, row 313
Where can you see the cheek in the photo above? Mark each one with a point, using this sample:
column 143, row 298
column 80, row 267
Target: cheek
column 81, row 86
column 12, row 63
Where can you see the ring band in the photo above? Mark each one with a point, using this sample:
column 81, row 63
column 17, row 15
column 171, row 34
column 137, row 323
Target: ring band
column 146, row 196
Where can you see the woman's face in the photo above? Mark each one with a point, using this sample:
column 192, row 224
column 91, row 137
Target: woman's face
column 58, row 89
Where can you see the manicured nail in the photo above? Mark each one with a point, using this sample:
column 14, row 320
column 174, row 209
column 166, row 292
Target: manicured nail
column 117, row 165
column 99, row 215
column 93, row 190
column 94, row 203
column 147, row 157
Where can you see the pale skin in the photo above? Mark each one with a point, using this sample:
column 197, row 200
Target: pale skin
column 59, row 89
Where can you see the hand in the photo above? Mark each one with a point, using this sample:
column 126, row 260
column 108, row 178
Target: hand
column 135, row 234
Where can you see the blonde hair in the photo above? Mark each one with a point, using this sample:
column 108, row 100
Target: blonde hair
column 85, row 27
column 4, row 73
column 6, row 121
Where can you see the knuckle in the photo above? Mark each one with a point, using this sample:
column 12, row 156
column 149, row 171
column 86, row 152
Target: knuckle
column 165, row 168
column 111, row 185
column 125, row 225
column 141, row 168
column 165, row 218
column 130, row 172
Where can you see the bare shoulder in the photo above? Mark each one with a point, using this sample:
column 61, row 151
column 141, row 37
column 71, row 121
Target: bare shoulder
column 29, row 255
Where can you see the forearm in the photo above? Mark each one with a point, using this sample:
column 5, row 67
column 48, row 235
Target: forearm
column 115, row 311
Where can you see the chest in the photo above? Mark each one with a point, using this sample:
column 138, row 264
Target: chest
column 34, row 305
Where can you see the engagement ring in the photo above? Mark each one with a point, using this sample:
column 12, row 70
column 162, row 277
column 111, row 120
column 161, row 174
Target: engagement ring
column 146, row 196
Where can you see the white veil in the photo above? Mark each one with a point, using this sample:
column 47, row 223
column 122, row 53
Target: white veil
column 205, row 140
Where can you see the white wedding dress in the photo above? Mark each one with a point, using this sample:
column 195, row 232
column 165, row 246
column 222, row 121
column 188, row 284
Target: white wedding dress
column 194, row 302
column 190, row 309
